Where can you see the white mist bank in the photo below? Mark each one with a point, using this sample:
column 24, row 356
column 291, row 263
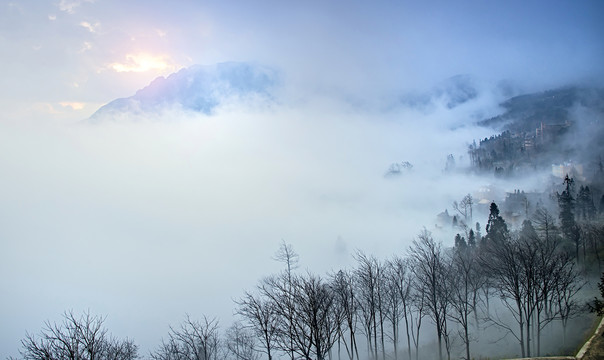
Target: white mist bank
column 147, row 220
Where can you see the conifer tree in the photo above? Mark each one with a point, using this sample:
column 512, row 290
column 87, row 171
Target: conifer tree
column 585, row 204
column 566, row 215
column 497, row 229
column 597, row 305
column 471, row 239
column 478, row 233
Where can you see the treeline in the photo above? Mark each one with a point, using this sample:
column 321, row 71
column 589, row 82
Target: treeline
column 386, row 302
column 379, row 308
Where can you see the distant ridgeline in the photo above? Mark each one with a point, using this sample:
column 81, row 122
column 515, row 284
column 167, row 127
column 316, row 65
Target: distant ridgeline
column 556, row 128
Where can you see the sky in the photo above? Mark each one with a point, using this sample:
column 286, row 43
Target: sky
column 66, row 58
column 144, row 221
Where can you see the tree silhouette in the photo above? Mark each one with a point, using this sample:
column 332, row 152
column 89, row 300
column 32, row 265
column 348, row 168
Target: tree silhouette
column 77, row 338
column 597, row 305
column 497, row 229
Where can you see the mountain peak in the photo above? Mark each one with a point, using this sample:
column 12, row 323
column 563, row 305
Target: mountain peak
column 197, row 89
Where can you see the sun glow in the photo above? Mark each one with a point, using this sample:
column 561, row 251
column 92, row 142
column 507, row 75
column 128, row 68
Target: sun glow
column 143, row 62
column 73, row 105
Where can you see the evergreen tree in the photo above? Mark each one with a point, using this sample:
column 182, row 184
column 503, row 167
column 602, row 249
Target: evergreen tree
column 527, row 231
column 460, row 242
column 597, row 305
column 471, row 239
column 497, row 229
column 478, row 233
column 581, row 213
column 586, row 209
column 450, row 165
column 566, row 215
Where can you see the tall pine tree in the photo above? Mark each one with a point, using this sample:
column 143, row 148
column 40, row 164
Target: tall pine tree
column 566, row 215
column 586, row 209
column 497, row 229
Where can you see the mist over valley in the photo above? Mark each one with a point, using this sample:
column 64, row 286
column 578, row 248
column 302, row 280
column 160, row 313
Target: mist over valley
column 168, row 166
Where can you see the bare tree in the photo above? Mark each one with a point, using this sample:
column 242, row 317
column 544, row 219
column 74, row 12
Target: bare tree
column 289, row 257
column 401, row 282
column 567, row 285
column 500, row 260
column 465, row 284
column 531, row 262
column 550, row 281
column 313, row 327
column 262, row 317
column 367, row 282
column 77, row 338
column 392, row 310
column 428, row 266
column 121, row 350
column 280, row 292
column 545, row 224
column 316, row 312
column 382, row 305
column 309, row 324
column 194, row 340
column 464, row 208
column 418, row 303
column 241, row 342
column 342, row 284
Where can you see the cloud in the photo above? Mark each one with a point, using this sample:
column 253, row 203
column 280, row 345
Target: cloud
column 73, row 105
column 187, row 198
column 69, row 6
column 85, row 46
column 44, row 107
column 90, row 27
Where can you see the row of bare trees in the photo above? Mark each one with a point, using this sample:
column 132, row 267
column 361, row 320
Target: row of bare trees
column 375, row 310
column 383, row 304
column 535, row 280
column 77, row 338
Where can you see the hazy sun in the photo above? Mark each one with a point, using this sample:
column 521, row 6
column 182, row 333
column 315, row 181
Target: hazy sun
column 142, row 62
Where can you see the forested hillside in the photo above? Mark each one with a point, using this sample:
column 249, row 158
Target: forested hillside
column 562, row 126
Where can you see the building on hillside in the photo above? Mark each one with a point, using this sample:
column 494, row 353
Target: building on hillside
column 444, row 220
column 519, row 205
column 549, row 133
column 568, row 168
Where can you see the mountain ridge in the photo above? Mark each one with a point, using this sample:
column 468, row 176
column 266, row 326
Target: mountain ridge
column 526, row 112
column 199, row 88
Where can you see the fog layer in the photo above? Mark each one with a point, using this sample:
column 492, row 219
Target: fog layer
column 148, row 219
